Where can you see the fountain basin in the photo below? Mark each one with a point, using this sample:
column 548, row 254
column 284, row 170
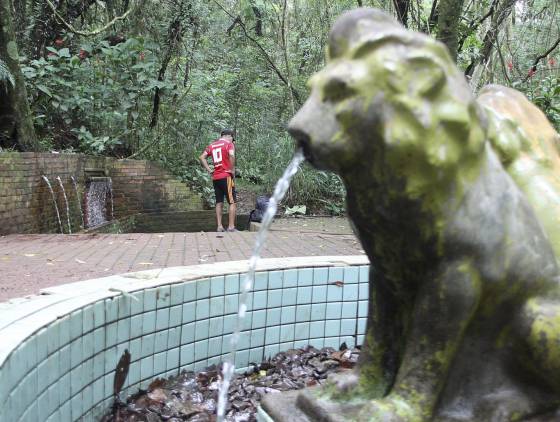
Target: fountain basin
column 60, row 349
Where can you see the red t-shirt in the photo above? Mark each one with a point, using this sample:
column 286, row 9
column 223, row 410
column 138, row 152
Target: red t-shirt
column 219, row 150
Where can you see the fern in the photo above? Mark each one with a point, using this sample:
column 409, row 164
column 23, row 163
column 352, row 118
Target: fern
column 5, row 74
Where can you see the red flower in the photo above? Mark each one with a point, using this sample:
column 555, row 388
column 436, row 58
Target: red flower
column 83, row 54
column 510, row 65
column 59, row 42
column 142, row 55
column 531, row 72
column 551, row 61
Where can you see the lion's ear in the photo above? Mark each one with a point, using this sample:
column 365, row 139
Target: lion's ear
column 428, row 76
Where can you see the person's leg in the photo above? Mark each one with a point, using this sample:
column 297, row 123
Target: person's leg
column 232, row 210
column 219, row 211
column 231, row 197
column 219, row 194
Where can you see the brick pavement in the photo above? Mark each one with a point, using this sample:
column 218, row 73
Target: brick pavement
column 29, row 263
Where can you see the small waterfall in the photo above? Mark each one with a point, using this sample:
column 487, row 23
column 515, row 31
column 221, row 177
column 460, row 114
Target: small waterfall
column 78, row 200
column 66, row 202
column 279, row 191
column 98, row 190
column 54, row 202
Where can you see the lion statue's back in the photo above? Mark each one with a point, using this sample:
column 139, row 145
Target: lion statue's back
column 528, row 147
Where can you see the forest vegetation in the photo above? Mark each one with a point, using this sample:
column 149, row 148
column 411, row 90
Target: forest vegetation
column 158, row 79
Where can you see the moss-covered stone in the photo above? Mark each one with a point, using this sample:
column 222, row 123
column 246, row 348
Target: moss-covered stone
column 456, row 202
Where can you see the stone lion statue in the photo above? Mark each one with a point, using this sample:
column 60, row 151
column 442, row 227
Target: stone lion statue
column 457, row 203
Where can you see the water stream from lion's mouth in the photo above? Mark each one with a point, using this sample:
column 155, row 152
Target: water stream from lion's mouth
column 279, row 191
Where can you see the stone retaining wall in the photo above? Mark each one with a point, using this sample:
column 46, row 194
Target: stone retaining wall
column 168, row 222
column 26, row 205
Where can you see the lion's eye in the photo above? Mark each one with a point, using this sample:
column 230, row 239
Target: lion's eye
column 336, row 90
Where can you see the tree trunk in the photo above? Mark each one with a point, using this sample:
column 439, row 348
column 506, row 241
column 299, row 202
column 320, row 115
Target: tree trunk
column 449, row 15
column 174, row 38
column 259, row 22
column 16, row 124
column 401, row 7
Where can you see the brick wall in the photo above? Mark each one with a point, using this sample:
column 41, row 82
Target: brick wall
column 26, row 204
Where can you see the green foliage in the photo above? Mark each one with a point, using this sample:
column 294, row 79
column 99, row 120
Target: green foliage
column 545, row 93
column 197, row 178
column 94, row 100
column 471, row 49
column 323, row 192
column 89, row 96
column 94, row 144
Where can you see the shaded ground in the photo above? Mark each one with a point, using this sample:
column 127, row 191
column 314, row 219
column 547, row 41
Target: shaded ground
column 29, row 263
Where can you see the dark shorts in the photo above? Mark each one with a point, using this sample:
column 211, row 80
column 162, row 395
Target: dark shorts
column 225, row 187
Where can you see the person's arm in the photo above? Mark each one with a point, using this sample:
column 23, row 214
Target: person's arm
column 232, row 161
column 204, row 163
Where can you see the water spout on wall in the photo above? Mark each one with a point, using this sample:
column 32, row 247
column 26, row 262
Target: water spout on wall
column 66, row 202
column 45, row 178
column 75, row 184
column 98, row 191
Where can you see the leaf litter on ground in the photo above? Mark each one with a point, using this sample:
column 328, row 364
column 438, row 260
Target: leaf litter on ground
column 193, row 396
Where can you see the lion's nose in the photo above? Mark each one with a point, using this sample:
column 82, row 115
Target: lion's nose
column 303, row 141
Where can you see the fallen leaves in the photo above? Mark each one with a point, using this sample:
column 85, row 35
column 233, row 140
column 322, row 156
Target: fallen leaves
column 191, row 396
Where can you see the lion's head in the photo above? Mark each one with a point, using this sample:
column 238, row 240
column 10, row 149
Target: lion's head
column 390, row 97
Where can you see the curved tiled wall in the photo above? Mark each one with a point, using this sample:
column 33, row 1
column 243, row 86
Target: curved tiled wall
column 59, row 350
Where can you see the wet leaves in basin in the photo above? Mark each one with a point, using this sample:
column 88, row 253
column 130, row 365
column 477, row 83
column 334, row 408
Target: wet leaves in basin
column 193, row 396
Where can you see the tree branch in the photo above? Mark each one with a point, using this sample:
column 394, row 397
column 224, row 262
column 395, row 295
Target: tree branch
column 474, row 24
column 88, row 33
column 502, row 62
column 402, row 6
column 491, row 35
column 232, row 26
column 263, row 51
column 432, row 20
column 175, row 32
column 543, row 56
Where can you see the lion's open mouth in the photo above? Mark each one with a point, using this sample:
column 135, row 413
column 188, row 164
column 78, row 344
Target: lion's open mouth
column 303, row 142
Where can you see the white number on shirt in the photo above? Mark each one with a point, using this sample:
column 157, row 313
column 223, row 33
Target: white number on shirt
column 217, row 155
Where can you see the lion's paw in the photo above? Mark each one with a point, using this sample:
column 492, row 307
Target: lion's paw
column 344, row 382
column 389, row 409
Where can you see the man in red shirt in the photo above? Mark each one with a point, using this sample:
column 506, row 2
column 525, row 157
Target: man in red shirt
column 222, row 151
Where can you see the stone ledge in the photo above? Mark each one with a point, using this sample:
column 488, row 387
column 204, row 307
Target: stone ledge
column 21, row 317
